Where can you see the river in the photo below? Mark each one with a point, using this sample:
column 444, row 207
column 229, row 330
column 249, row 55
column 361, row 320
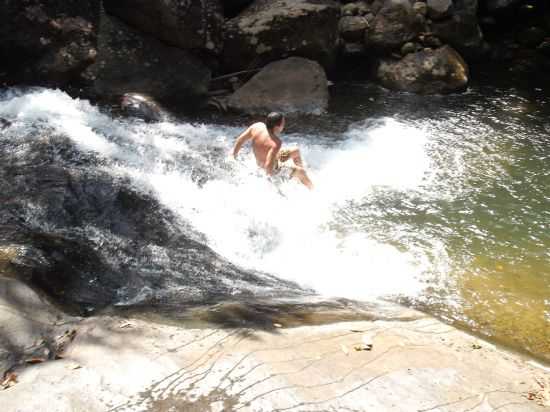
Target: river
column 441, row 203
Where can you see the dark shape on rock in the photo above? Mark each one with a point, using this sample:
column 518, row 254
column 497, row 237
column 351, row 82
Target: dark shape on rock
column 233, row 7
column 462, row 30
column 188, row 24
column 291, row 85
column 133, row 62
column 502, row 6
column 531, row 36
column 395, row 24
column 270, row 30
column 4, row 123
column 47, row 42
column 426, row 72
column 142, row 107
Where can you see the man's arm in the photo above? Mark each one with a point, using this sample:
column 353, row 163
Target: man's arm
column 271, row 159
column 241, row 140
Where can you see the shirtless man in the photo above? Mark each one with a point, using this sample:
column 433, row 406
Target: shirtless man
column 266, row 145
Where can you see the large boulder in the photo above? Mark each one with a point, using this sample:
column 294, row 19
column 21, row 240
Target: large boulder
column 47, row 42
column 291, row 85
column 187, row 24
column 395, row 24
column 462, row 30
column 270, row 30
column 133, row 62
column 427, row 72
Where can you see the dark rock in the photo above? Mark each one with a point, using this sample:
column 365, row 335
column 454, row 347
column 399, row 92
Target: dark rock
column 142, row 107
column 500, row 6
column 531, row 36
column 544, row 48
column 291, row 85
column 439, row 9
column 233, row 7
column 48, row 42
column 426, row 72
column 396, row 23
column 431, row 41
column 352, row 28
column 462, row 30
column 181, row 23
column 132, row 62
column 358, row 8
column 270, row 30
column 354, row 49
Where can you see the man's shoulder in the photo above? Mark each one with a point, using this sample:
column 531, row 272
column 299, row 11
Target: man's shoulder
column 258, row 126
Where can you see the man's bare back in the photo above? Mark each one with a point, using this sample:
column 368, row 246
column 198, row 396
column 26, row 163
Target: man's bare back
column 266, row 146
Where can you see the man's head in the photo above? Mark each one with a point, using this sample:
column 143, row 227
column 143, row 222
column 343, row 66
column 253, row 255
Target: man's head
column 275, row 122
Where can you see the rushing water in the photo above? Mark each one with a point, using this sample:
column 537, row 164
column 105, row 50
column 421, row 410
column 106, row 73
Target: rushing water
column 442, row 203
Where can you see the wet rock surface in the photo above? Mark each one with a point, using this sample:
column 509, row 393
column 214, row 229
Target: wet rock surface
column 293, row 85
column 270, row 30
column 91, row 240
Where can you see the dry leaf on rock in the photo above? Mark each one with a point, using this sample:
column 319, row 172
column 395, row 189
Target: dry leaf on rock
column 10, row 379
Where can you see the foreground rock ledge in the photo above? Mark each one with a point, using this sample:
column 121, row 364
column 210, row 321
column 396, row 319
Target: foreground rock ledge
column 293, row 85
column 416, row 364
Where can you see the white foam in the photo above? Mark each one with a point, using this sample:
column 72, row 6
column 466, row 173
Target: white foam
column 244, row 216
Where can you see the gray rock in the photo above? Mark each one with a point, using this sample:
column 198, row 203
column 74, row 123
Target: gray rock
column 395, row 24
column 426, row 72
column 133, row 62
column 270, row 30
column 439, row 9
column 407, row 48
column 182, row 23
column 420, row 8
column 352, row 28
column 47, row 42
column 359, row 8
column 291, row 85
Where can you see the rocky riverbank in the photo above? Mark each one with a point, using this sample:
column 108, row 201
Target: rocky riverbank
column 187, row 52
column 399, row 360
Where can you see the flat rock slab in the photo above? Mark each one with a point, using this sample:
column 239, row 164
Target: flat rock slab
column 416, row 365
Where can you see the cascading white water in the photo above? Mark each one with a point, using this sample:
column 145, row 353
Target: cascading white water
column 286, row 231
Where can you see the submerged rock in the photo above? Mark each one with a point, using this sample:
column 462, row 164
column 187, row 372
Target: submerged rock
column 182, row 23
column 142, row 107
column 270, row 30
column 133, row 62
column 426, row 72
column 291, row 85
column 48, row 42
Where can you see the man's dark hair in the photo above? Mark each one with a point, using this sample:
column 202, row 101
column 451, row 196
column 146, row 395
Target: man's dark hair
column 274, row 119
